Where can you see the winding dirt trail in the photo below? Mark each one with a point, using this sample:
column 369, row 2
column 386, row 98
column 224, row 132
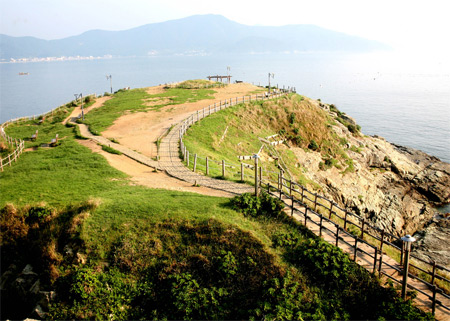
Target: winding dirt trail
column 139, row 131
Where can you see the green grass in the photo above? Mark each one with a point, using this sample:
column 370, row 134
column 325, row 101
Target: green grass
column 135, row 100
column 246, row 123
column 173, row 234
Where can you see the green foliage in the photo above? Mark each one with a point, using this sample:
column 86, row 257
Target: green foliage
column 111, row 150
column 285, row 239
column 93, row 295
column 313, row 145
column 262, row 206
column 351, row 292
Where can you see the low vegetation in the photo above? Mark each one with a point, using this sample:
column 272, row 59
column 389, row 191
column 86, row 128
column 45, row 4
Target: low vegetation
column 138, row 100
column 112, row 250
column 295, row 120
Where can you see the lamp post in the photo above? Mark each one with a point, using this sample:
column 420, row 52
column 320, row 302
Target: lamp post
column 81, row 99
column 407, row 241
column 270, row 75
column 255, row 157
column 110, row 81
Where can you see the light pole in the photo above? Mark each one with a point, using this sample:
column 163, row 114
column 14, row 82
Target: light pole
column 270, row 75
column 110, row 81
column 228, row 73
column 407, row 241
column 81, row 99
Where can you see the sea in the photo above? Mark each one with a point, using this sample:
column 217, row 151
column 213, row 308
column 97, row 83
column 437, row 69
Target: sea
column 398, row 96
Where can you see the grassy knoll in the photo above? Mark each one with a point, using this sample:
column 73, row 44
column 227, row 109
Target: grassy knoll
column 236, row 131
column 138, row 100
column 114, row 250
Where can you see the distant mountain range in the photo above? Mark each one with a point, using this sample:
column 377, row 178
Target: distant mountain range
column 200, row 34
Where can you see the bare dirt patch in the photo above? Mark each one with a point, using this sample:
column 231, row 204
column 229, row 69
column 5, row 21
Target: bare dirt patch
column 146, row 176
column 77, row 111
column 139, row 131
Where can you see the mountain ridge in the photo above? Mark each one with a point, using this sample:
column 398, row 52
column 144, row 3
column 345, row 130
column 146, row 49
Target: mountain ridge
column 206, row 34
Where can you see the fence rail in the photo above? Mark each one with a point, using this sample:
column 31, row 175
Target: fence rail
column 19, row 143
column 346, row 227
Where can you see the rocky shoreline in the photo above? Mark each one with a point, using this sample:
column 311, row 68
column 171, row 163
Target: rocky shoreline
column 397, row 188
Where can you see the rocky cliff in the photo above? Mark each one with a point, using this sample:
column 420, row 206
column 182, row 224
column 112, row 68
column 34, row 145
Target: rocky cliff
column 396, row 187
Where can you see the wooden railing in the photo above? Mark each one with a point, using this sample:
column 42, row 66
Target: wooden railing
column 19, row 147
column 19, row 143
column 346, row 224
column 347, row 227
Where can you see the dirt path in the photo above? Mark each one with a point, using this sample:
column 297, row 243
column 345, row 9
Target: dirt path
column 139, row 131
column 139, row 166
column 144, row 175
column 77, row 111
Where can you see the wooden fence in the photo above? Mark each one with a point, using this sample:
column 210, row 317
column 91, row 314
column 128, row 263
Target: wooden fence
column 19, row 147
column 347, row 227
column 19, row 143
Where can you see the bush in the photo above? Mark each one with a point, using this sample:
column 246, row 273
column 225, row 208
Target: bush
column 262, row 206
column 313, row 145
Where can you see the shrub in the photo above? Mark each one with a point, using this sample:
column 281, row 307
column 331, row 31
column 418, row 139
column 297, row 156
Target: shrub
column 313, row 145
column 263, row 205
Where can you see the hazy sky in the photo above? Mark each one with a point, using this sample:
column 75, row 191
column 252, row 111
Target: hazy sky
column 403, row 24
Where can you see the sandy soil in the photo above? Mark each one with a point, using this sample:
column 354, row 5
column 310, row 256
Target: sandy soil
column 139, row 131
column 145, row 176
column 77, row 111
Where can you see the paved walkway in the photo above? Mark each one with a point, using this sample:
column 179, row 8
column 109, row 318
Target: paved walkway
column 346, row 243
column 169, row 160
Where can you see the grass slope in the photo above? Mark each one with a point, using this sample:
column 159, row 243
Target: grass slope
column 113, row 250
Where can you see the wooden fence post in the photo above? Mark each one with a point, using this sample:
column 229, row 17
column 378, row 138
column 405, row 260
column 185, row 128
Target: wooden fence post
column 290, row 187
column 345, row 220
column 331, row 210
column 362, row 229
column 292, row 205
column 9, row 159
column 375, row 260
column 207, row 166
column 320, row 225
column 195, row 162
column 381, row 253
column 260, row 176
column 256, row 176
column 223, row 168
column 187, row 158
column 306, row 215
column 242, row 172
column 315, row 202
column 337, row 235
column 356, row 249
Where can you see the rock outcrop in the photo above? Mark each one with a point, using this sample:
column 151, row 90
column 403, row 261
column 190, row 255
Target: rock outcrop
column 396, row 187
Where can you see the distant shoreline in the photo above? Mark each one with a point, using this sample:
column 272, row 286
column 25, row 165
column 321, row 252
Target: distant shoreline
column 61, row 58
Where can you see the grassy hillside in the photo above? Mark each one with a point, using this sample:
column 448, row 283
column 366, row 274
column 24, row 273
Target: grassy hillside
column 236, row 131
column 113, row 250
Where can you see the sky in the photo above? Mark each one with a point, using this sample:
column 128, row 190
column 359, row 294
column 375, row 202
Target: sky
column 408, row 25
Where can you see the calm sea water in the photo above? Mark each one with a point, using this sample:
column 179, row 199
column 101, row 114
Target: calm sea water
column 395, row 96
